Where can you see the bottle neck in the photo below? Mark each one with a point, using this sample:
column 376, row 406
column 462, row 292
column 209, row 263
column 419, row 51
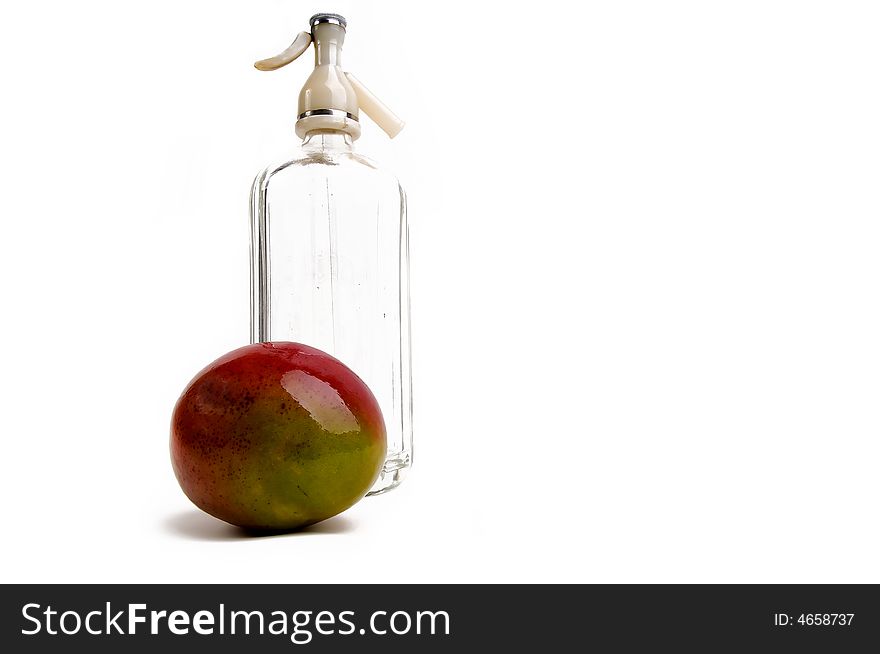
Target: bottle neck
column 328, row 40
column 328, row 54
column 327, row 140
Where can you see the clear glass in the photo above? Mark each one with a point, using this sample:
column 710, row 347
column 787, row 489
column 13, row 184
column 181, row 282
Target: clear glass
column 329, row 268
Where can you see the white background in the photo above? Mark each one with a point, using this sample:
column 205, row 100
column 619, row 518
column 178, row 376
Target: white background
column 646, row 285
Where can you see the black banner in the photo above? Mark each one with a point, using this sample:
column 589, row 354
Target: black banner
column 436, row 618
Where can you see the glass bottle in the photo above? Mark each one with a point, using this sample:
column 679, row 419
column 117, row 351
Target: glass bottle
column 329, row 247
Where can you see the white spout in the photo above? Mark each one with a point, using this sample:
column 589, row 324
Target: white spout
column 331, row 98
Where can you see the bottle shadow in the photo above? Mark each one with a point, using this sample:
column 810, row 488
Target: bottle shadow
column 196, row 525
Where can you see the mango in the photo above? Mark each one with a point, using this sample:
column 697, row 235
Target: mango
column 276, row 436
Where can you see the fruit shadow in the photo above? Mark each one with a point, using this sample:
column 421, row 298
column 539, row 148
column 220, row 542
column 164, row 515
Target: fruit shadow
column 195, row 525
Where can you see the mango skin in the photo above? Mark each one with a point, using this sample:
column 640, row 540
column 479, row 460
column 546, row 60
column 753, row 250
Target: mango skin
column 276, row 436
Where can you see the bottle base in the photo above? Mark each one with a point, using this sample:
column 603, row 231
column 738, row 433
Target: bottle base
column 393, row 472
